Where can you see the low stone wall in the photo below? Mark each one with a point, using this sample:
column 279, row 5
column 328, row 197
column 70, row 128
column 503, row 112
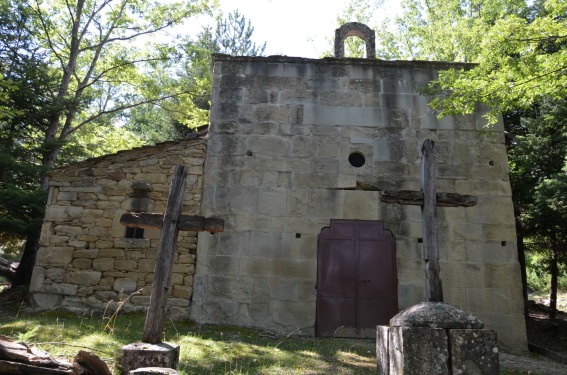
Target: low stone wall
column 85, row 261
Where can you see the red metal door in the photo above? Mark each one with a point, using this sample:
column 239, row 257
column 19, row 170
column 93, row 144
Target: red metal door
column 356, row 278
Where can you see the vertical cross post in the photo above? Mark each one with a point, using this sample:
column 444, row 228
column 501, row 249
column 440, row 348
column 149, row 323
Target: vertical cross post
column 433, row 286
column 155, row 316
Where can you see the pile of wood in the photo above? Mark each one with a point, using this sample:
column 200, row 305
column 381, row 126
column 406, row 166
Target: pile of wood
column 19, row 358
column 8, row 268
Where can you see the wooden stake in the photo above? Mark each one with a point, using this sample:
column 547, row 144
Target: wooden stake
column 433, row 286
column 155, row 317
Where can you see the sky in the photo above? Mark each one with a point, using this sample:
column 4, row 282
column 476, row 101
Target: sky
column 300, row 28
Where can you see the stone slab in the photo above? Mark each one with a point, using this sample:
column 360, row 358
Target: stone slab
column 474, row 351
column 141, row 354
column 418, row 351
column 383, row 350
column 436, row 315
column 153, row 371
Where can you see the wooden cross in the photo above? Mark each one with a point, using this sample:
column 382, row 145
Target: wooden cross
column 429, row 200
column 170, row 223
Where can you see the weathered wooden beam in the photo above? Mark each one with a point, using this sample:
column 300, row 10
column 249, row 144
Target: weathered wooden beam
column 414, row 197
column 433, row 286
column 155, row 316
column 155, row 220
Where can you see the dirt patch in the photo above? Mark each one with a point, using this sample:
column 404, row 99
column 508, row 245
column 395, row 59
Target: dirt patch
column 546, row 333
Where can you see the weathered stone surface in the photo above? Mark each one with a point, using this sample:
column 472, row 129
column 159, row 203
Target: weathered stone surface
column 418, row 351
column 153, row 371
column 435, row 315
column 140, row 354
column 474, row 351
column 383, row 350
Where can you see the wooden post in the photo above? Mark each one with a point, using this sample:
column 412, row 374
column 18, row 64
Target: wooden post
column 155, row 317
column 433, row 286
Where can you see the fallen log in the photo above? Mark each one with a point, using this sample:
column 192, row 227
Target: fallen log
column 19, row 358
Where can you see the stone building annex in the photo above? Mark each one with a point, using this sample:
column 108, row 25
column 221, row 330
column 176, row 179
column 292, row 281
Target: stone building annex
column 295, row 159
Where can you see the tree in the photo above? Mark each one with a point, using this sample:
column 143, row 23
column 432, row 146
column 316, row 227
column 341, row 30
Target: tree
column 521, row 61
column 538, row 166
column 88, row 50
column 441, row 30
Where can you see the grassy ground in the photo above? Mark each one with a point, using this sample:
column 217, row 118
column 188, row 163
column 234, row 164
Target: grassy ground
column 204, row 349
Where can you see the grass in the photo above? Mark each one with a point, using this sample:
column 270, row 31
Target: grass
column 205, row 349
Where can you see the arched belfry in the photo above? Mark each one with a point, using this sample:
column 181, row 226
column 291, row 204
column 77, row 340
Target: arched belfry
column 355, row 29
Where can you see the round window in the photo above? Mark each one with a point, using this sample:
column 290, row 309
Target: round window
column 356, row 159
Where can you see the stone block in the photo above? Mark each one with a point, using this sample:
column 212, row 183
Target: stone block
column 141, row 354
column 348, row 116
column 270, row 245
column 125, row 265
column 37, row 279
column 125, row 285
column 236, row 200
column 301, row 269
column 502, row 275
column 383, row 350
column 180, row 291
column 298, row 202
column 146, row 265
column 291, row 314
column 302, row 146
column 272, row 202
column 418, row 351
column 474, row 351
column 85, row 277
column 238, row 289
column 252, row 267
column 65, row 289
column 462, row 274
column 361, row 205
column 55, row 256
column 82, row 263
column 45, row 301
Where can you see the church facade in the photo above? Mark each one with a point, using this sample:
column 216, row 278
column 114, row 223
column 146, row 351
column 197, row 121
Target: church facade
column 297, row 155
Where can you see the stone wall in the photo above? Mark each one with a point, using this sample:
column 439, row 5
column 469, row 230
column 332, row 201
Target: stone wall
column 85, row 262
column 277, row 171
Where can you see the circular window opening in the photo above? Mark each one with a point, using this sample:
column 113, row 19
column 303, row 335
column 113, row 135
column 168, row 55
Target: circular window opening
column 356, row 159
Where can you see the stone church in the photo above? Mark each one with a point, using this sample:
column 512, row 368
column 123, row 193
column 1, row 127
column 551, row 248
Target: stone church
column 294, row 161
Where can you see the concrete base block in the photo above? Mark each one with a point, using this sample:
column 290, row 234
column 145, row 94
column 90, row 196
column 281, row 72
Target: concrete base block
column 141, row 354
column 383, row 350
column 153, row 371
column 418, row 351
column 436, row 338
column 474, row 351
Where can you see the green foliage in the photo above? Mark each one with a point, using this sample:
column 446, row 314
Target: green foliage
column 232, row 35
column 521, row 61
column 441, row 30
column 537, row 269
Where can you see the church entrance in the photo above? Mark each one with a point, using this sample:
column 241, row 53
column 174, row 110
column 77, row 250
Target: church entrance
column 356, row 278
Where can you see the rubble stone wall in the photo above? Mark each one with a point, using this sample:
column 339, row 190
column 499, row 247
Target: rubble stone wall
column 277, row 171
column 84, row 261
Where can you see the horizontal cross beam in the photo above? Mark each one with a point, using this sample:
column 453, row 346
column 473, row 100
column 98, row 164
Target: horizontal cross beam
column 190, row 223
column 411, row 197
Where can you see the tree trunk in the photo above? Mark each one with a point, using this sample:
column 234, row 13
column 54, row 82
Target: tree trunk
column 522, row 259
column 24, row 271
column 554, row 272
